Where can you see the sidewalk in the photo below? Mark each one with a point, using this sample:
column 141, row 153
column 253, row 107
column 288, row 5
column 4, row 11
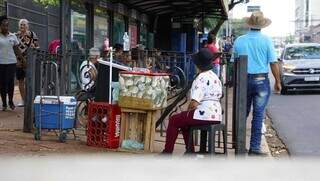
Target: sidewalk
column 12, row 120
column 14, row 142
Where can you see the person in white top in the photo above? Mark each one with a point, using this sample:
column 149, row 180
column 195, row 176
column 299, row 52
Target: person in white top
column 204, row 107
column 9, row 52
column 88, row 70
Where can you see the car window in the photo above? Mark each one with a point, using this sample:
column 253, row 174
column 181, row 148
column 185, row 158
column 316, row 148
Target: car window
column 303, row 52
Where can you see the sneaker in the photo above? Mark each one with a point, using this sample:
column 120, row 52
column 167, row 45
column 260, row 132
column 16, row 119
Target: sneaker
column 12, row 106
column 4, row 108
column 257, row 153
column 21, row 104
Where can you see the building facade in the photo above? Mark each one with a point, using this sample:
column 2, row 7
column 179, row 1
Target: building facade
column 108, row 21
column 307, row 18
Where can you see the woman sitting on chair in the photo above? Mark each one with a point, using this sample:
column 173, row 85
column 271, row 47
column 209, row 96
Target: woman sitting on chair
column 204, row 107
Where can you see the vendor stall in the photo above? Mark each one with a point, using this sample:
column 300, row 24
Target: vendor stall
column 142, row 97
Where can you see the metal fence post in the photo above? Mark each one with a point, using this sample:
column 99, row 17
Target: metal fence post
column 65, row 8
column 240, row 105
column 30, row 92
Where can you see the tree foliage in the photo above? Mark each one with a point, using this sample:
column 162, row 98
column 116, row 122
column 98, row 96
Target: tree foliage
column 214, row 24
column 233, row 3
column 289, row 39
column 238, row 27
column 47, row 3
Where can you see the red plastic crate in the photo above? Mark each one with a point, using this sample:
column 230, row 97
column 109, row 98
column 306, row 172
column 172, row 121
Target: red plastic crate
column 103, row 129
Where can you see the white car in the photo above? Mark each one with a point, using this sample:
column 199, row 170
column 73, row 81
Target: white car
column 300, row 67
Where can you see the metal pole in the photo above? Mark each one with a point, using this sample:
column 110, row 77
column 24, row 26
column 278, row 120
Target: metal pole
column 226, row 94
column 241, row 105
column 235, row 70
column 65, row 34
column 110, row 75
column 89, row 26
column 30, row 92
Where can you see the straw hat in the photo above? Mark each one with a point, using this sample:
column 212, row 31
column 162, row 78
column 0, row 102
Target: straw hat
column 257, row 20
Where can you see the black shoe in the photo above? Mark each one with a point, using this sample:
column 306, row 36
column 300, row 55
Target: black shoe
column 12, row 106
column 4, row 108
column 164, row 154
column 257, row 153
column 187, row 153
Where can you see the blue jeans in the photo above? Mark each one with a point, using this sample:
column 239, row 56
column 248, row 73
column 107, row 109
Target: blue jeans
column 216, row 69
column 258, row 94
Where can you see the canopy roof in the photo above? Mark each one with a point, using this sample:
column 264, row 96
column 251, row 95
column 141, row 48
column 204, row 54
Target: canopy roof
column 179, row 8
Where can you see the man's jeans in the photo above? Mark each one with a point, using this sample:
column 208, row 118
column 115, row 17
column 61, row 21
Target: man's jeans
column 257, row 95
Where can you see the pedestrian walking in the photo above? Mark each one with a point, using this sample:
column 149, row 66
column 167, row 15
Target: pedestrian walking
column 28, row 39
column 261, row 53
column 227, row 49
column 9, row 52
column 204, row 107
column 227, row 45
column 211, row 45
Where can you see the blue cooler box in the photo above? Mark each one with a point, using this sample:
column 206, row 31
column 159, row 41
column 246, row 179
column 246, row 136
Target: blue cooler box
column 50, row 112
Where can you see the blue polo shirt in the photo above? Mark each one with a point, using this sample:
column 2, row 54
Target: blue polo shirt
column 260, row 51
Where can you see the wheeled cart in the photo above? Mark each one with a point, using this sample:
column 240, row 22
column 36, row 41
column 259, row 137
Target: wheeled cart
column 53, row 112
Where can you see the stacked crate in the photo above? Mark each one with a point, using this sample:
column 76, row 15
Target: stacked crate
column 103, row 129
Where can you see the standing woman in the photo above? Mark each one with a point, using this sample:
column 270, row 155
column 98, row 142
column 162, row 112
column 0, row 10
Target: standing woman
column 8, row 51
column 28, row 39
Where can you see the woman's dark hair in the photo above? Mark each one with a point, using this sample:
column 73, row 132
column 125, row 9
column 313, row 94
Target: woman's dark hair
column 211, row 38
column 2, row 18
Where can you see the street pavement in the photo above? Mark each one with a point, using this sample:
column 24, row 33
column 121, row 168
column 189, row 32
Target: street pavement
column 296, row 119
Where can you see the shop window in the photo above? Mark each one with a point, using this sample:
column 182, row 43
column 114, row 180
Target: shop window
column 118, row 29
column 143, row 34
column 78, row 28
column 2, row 8
column 78, row 44
column 150, row 41
column 101, row 27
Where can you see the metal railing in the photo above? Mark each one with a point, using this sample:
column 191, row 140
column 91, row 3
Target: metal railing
column 35, row 78
column 164, row 60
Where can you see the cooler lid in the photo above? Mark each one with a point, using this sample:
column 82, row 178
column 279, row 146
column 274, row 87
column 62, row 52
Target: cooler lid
column 65, row 100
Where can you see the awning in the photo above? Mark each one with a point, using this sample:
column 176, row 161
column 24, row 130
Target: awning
column 179, row 8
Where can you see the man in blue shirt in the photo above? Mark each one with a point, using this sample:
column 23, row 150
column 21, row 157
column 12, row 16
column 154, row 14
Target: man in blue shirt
column 260, row 51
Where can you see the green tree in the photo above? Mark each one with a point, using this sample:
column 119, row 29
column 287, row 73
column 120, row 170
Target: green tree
column 215, row 24
column 289, row 39
column 47, row 3
column 238, row 27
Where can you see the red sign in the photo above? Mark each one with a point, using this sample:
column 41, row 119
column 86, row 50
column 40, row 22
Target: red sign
column 133, row 31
